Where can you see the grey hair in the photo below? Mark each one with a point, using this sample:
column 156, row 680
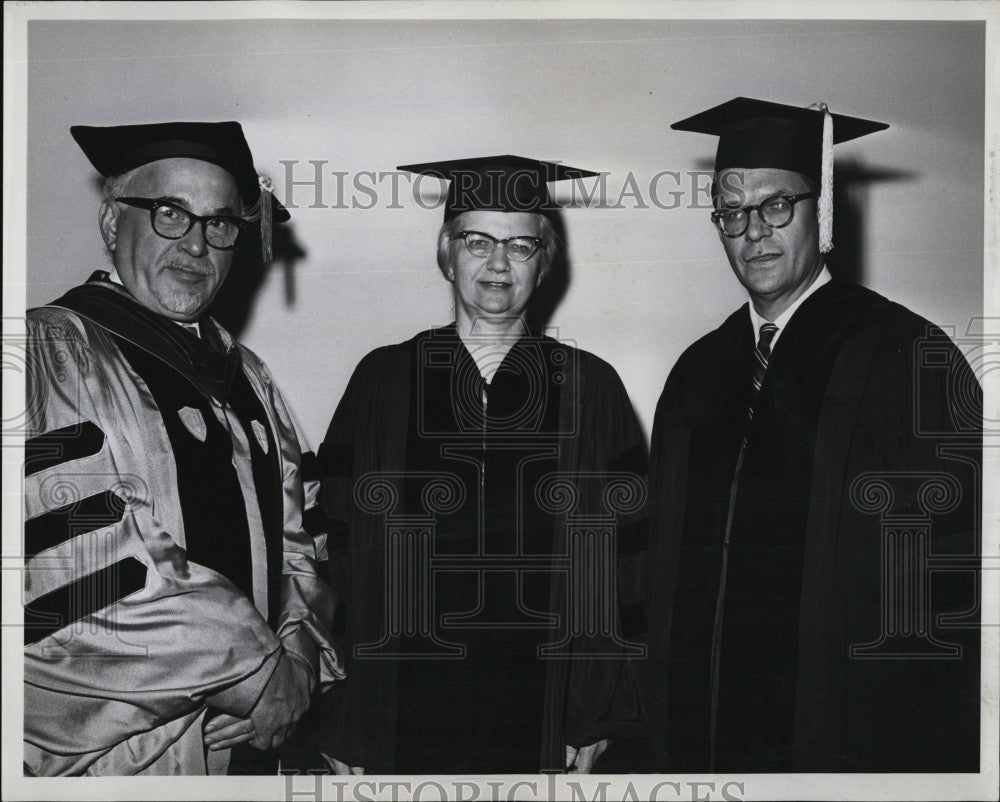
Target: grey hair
column 451, row 227
column 117, row 185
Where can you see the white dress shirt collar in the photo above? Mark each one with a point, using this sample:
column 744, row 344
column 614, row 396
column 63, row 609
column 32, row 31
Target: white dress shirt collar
column 781, row 320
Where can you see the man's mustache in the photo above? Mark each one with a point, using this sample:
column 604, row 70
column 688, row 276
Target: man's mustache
column 190, row 267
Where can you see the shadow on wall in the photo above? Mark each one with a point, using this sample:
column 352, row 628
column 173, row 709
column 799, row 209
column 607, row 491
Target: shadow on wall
column 851, row 188
column 234, row 305
column 235, row 302
column 852, row 181
column 547, row 297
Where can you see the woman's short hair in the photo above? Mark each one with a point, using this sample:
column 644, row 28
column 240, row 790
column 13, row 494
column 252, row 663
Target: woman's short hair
column 451, row 227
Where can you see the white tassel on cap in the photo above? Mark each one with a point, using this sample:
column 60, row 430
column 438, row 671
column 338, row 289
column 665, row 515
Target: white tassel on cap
column 825, row 204
column 266, row 217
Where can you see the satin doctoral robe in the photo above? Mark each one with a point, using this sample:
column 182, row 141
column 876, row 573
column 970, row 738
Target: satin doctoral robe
column 820, row 613
column 498, row 475
column 166, row 561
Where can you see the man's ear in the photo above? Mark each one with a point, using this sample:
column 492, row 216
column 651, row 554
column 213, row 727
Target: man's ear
column 109, row 223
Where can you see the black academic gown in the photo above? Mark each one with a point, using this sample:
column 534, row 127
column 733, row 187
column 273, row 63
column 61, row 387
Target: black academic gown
column 415, row 411
column 752, row 622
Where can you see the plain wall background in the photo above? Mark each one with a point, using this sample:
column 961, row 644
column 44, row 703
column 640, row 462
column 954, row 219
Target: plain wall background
column 367, row 95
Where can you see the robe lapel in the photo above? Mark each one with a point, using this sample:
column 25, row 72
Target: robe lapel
column 209, row 362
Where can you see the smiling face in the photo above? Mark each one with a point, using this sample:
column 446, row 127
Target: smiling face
column 775, row 265
column 176, row 278
column 494, row 288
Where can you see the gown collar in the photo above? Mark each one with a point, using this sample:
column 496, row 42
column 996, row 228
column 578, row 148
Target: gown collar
column 209, row 362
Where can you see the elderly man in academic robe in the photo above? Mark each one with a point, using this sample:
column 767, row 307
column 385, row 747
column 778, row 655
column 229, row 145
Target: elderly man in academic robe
column 174, row 618
column 815, row 471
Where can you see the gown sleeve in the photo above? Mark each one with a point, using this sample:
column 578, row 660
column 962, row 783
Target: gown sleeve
column 603, row 696
column 307, row 600
column 353, row 715
column 125, row 640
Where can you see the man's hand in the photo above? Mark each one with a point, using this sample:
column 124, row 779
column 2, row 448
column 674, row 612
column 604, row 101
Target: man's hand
column 581, row 761
column 225, row 731
column 284, row 701
column 341, row 768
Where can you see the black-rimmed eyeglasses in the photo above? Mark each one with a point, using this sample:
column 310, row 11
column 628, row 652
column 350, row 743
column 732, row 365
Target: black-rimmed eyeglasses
column 517, row 249
column 171, row 221
column 776, row 212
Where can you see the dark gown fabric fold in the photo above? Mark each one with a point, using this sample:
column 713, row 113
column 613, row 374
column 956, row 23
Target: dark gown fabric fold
column 751, row 666
column 420, row 409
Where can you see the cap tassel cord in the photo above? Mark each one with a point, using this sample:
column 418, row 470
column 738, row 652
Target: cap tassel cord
column 825, row 204
column 266, row 217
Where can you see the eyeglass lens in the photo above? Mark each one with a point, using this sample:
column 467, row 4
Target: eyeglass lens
column 173, row 223
column 775, row 212
column 518, row 249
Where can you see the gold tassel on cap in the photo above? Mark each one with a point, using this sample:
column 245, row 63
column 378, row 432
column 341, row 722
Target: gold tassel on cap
column 825, row 204
column 266, row 218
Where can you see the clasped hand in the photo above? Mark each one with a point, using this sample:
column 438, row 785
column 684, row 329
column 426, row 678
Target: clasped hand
column 581, row 761
column 282, row 703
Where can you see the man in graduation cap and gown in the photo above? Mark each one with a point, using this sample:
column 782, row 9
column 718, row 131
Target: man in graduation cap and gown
column 453, row 471
column 174, row 617
column 809, row 462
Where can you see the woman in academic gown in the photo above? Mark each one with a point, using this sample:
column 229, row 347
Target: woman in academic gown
column 481, row 609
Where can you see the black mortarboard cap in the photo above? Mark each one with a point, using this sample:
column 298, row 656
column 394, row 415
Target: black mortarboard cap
column 758, row 133
column 497, row 183
column 116, row 149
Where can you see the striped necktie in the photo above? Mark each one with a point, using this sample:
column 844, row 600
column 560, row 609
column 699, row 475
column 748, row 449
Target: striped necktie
column 760, row 356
